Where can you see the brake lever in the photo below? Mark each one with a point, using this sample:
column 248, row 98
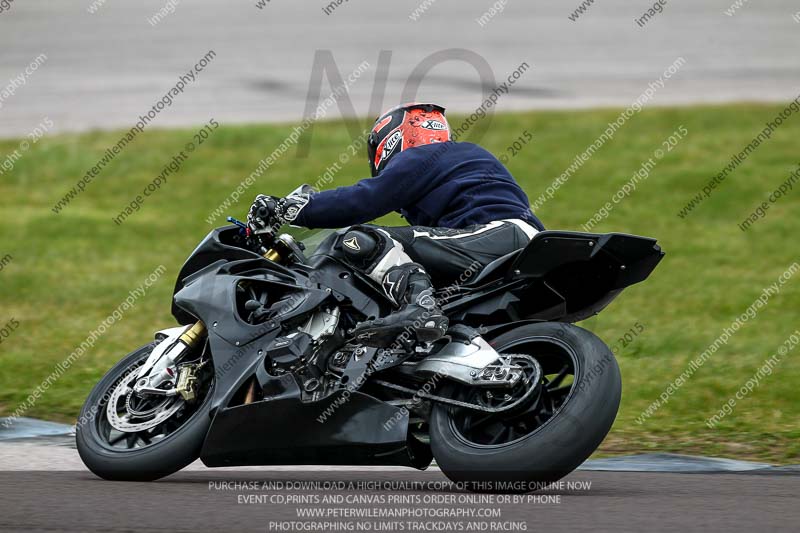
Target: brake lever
column 244, row 229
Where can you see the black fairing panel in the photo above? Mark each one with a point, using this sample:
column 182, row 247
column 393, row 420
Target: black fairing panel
column 210, row 295
column 586, row 270
column 288, row 432
column 247, row 434
column 219, row 244
column 549, row 251
column 559, row 276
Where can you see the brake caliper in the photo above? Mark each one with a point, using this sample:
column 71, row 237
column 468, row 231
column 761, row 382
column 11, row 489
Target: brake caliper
column 187, row 382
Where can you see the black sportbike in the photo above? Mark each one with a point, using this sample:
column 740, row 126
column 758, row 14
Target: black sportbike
column 263, row 370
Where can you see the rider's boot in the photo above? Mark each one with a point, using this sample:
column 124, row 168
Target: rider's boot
column 409, row 287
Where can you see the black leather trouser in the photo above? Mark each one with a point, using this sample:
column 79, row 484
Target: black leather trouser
column 448, row 255
column 456, row 255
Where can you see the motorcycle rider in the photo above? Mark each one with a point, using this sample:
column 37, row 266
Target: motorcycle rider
column 463, row 205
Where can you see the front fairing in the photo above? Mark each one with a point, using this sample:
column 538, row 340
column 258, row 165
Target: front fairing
column 211, row 296
column 226, row 244
column 219, row 245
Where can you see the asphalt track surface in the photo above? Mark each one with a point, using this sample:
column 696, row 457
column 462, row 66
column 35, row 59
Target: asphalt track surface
column 46, row 488
column 200, row 501
column 105, row 69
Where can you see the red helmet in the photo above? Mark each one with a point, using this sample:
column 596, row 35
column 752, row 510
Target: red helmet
column 404, row 127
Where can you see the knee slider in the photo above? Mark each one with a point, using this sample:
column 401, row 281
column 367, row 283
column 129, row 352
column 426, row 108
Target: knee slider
column 361, row 246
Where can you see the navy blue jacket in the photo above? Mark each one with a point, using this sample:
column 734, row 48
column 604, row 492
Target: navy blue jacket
column 449, row 185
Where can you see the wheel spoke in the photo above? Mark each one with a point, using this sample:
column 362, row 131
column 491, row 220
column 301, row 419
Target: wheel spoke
column 560, row 390
column 481, row 421
column 559, row 378
column 511, row 433
column 115, row 440
column 525, row 414
column 499, row 435
column 116, row 413
column 468, row 419
column 497, row 429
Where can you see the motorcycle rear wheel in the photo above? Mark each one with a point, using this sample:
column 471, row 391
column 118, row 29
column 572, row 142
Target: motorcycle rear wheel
column 548, row 437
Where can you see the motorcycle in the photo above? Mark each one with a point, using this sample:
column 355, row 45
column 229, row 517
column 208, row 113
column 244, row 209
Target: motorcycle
column 262, row 368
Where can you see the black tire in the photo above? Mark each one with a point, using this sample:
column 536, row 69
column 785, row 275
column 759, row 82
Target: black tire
column 562, row 442
column 160, row 459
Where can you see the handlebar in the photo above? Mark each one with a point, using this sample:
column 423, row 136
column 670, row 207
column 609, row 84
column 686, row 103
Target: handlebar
column 239, row 223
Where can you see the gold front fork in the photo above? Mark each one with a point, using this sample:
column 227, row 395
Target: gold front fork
column 273, row 255
column 187, row 378
column 193, row 334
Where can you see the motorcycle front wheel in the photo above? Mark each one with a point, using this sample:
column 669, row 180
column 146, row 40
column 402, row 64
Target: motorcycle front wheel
column 160, row 436
column 555, row 429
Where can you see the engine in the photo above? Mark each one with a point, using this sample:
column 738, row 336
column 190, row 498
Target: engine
column 304, row 352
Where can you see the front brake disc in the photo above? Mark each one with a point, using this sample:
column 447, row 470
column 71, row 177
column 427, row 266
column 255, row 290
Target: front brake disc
column 133, row 421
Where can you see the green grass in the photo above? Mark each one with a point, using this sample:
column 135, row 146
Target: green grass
column 69, row 271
